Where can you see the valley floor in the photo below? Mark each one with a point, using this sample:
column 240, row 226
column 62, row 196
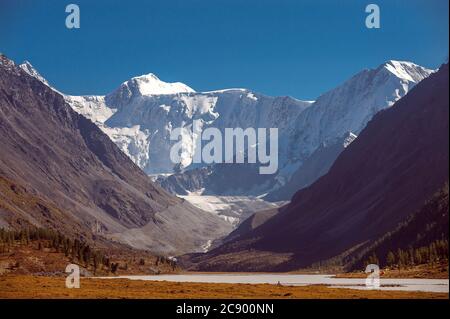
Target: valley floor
column 36, row 287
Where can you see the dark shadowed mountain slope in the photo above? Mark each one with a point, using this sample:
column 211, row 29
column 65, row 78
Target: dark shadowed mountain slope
column 397, row 163
column 59, row 169
column 415, row 237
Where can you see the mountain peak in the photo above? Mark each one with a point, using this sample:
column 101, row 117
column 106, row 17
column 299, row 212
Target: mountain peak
column 406, row 70
column 150, row 84
column 29, row 68
column 149, row 76
column 399, row 62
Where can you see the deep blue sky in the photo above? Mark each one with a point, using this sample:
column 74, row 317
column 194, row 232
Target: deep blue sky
column 296, row 48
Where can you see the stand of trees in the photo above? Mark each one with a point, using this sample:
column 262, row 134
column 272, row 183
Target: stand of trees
column 435, row 252
column 75, row 250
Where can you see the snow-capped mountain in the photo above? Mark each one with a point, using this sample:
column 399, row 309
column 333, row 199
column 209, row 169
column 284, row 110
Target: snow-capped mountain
column 141, row 113
column 351, row 105
column 157, row 115
column 343, row 111
column 315, row 166
column 145, row 85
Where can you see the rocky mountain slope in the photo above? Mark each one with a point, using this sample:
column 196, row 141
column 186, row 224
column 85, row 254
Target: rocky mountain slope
column 59, row 170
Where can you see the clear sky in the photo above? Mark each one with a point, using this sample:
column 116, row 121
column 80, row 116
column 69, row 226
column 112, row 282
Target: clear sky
column 297, row 48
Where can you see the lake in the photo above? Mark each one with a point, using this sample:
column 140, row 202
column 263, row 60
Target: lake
column 427, row 285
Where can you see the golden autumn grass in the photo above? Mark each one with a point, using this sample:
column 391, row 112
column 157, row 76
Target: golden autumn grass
column 12, row 286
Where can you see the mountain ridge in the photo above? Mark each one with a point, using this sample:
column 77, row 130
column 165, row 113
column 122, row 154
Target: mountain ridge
column 347, row 108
